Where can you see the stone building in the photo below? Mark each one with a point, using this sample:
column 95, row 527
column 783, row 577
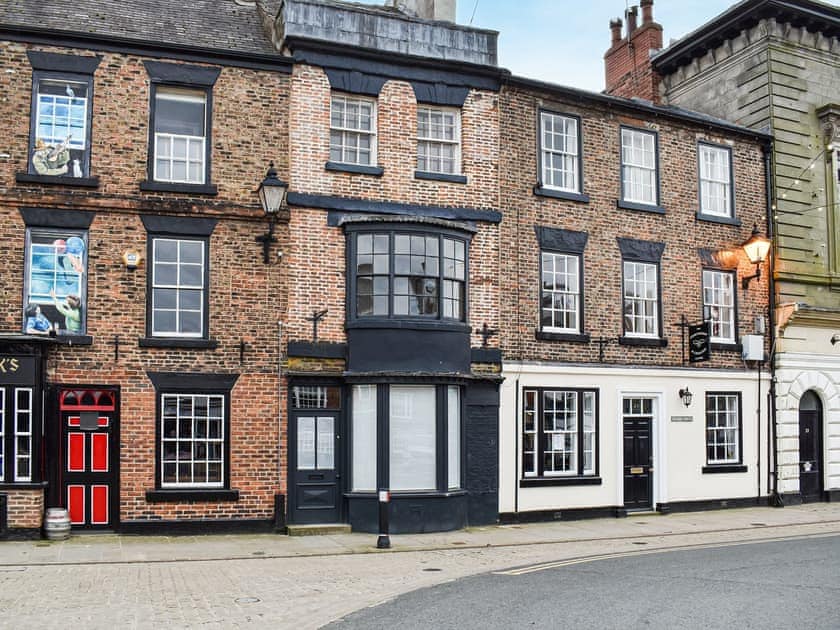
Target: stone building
column 775, row 66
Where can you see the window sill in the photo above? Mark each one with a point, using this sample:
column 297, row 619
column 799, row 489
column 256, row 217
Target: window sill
column 715, row 219
column 557, row 336
column 57, row 180
column 187, row 189
column 408, row 324
column 726, row 347
column 407, row 494
column 74, row 340
column 542, row 191
column 644, row 342
column 169, row 342
column 537, row 482
column 642, row 207
column 190, row 495
column 724, row 468
column 441, row 177
column 24, row 485
column 358, row 169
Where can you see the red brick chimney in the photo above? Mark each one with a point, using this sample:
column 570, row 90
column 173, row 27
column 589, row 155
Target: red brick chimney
column 627, row 63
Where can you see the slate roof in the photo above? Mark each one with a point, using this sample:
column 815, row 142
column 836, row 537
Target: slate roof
column 221, row 25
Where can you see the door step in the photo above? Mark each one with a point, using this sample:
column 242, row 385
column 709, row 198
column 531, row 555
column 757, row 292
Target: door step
column 318, row 529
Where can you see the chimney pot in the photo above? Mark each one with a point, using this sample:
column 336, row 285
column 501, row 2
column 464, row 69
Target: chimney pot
column 647, row 11
column 632, row 13
column 615, row 28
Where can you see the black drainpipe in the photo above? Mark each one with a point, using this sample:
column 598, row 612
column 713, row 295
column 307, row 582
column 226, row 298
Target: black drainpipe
column 772, row 452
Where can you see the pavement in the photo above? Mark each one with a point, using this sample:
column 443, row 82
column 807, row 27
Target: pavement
column 727, row 525
column 277, row 581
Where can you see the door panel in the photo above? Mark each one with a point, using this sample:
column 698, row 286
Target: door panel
column 88, row 421
column 810, row 448
column 638, row 453
column 315, row 474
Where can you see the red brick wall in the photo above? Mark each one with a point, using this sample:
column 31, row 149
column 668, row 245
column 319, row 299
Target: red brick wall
column 25, row 508
column 680, row 265
column 247, row 298
column 314, row 245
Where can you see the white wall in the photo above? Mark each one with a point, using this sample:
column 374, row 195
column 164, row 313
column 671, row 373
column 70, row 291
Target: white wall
column 679, row 447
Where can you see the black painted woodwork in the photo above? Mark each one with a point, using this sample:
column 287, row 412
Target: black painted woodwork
column 810, row 448
column 638, row 454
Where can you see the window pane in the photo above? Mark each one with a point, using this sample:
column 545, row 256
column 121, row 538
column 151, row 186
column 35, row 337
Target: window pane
column 453, row 427
column 363, row 434
column 306, row 443
column 412, row 438
column 179, row 112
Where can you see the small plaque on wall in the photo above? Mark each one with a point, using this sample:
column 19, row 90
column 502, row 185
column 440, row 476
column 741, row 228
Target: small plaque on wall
column 682, row 418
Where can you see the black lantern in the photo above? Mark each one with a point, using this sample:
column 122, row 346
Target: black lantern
column 685, row 396
column 757, row 247
column 272, row 193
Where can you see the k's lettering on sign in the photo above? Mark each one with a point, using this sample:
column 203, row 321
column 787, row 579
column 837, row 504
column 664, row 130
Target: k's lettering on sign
column 9, row 365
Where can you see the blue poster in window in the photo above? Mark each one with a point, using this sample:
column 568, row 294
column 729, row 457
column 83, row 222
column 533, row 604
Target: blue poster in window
column 55, row 285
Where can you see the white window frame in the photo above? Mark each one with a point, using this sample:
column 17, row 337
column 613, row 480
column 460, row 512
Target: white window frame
column 568, row 152
column 192, row 460
column 26, row 435
column 192, row 96
column 178, row 288
column 344, row 132
column 728, row 421
column 581, row 425
column 431, row 141
column 719, row 303
column 634, row 295
column 549, row 267
column 715, row 169
column 639, row 166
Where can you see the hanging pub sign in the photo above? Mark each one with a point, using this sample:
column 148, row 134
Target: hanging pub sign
column 699, row 342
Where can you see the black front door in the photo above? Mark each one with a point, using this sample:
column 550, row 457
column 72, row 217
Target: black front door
column 638, row 453
column 810, row 448
column 317, row 496
column 315, row 462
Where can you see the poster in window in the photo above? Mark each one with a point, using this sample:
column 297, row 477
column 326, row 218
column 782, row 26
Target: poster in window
column 61, row 122
column 55, row 285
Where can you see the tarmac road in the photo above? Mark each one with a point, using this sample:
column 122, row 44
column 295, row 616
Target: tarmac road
column 784, row 584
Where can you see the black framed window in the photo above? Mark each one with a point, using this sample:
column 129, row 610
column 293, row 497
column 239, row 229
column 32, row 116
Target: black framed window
column 719, row 306
column 560, row 150
column 193, row 431
column 178, row 279
column 181, row 132
column 559, row 433
column 723, row 428
column 55, row 281
column 639, row 169
column 405, row 273
column 406, row 437
column 715, row 173
column 179, row 287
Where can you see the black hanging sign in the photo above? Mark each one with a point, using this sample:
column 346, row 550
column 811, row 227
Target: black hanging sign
column 699, row 342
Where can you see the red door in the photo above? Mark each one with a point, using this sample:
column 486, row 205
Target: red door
column 89, row 456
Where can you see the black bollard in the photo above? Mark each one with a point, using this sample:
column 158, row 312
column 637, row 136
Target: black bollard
column 384, row 541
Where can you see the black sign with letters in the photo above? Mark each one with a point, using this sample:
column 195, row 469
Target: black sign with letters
column 17, row 370
column 699, row 342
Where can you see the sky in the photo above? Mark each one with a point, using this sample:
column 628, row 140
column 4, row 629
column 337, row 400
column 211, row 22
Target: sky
column 564, row 41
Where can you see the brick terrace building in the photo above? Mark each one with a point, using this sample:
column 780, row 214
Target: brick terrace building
column 192, row 384
column 619, row 232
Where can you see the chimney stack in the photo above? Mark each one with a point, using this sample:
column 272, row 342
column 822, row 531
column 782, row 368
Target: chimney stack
column 647, row 11
column 632, row 13
column 629, row 72
column 615, row 27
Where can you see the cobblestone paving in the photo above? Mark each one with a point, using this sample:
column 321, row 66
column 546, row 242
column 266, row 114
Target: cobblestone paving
column 290, row 592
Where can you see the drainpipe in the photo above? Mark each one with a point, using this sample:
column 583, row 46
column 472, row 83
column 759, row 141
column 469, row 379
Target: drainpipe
column 773, row 451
